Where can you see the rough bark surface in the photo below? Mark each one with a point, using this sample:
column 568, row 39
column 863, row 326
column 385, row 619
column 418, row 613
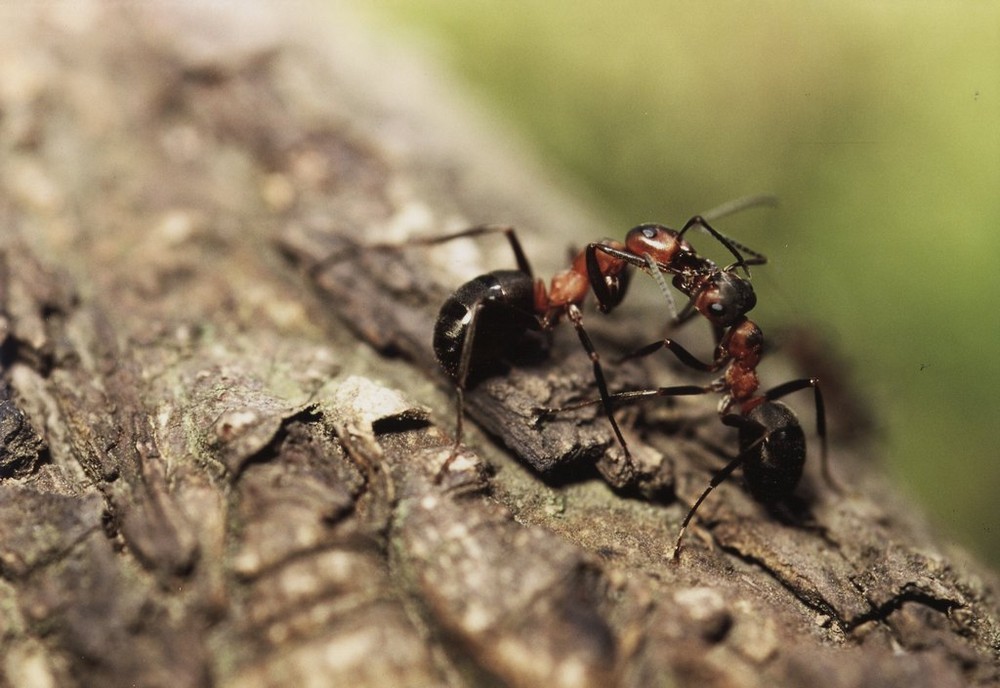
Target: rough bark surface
column 219, row 414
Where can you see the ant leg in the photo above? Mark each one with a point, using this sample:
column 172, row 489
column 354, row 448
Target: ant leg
column 731, row 244
column 479, row 230
column 461, row 379
column 459, row 420
column 689, row 311
column 682, row 354
column 574, row 315
column 794, row 386
column 606, row 299
column 720, row 477
column 350, row 253
column 628, row 397
column 717, row 479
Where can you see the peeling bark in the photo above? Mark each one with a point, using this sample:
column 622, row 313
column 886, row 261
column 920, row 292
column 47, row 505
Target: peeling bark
column 219, row 412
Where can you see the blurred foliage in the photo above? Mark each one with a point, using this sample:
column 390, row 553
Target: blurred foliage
column 877, row 125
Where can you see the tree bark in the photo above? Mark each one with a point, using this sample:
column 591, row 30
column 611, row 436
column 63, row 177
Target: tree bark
column 221, row 412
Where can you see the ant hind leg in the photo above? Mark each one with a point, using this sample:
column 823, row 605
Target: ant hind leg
column 793, row 386
column 720, row 477
column 480, row 230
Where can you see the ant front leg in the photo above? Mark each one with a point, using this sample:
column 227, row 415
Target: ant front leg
column 793, row 386
column 610, row 281
column 609, row 296
column 730, row 244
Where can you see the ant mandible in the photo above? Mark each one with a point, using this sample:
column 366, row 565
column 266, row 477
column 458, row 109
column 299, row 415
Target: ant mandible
column 486, row 316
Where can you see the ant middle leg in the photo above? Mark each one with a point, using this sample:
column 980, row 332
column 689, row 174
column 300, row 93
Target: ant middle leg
column 575, row 317
column 610, row 401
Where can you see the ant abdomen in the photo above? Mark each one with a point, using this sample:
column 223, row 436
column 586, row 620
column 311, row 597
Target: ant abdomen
column 482, row 322
column 774, row 466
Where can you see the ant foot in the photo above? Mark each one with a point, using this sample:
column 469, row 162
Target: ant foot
column 675, row 557
column 458, row 461
column 542, row 412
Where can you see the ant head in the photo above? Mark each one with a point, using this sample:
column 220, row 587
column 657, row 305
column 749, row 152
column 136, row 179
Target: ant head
column 663, row 244
column 725, row 298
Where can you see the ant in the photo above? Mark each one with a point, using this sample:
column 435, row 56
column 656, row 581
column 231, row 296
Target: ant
column 487, row 316
column 772, row 443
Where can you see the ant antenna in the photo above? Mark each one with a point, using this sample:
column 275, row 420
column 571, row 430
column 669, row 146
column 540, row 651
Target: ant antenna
column 739, row 204
column 654, row 270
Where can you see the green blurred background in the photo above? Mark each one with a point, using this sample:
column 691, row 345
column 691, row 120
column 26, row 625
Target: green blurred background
column 877, row 125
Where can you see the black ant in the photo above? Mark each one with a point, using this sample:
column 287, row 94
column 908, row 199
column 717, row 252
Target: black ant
column 488, row 315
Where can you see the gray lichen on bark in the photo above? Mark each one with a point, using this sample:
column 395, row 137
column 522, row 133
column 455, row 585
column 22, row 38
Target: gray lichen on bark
column 222, row 420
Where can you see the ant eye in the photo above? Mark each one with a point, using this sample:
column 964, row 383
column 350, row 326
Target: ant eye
column 649, row 232
column 717, row 309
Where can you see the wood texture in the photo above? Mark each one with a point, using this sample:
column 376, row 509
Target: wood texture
column 222, row 420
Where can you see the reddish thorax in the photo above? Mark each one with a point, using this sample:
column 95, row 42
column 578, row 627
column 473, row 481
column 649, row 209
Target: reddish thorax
column 742, row 344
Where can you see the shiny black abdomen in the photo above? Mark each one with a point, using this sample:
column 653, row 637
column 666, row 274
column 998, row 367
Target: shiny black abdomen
column 775, row 468
column 503, row 303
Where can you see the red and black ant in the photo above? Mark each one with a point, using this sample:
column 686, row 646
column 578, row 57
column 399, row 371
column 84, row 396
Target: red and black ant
column 720, row 295
column 488, row 315
column 772, row 443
